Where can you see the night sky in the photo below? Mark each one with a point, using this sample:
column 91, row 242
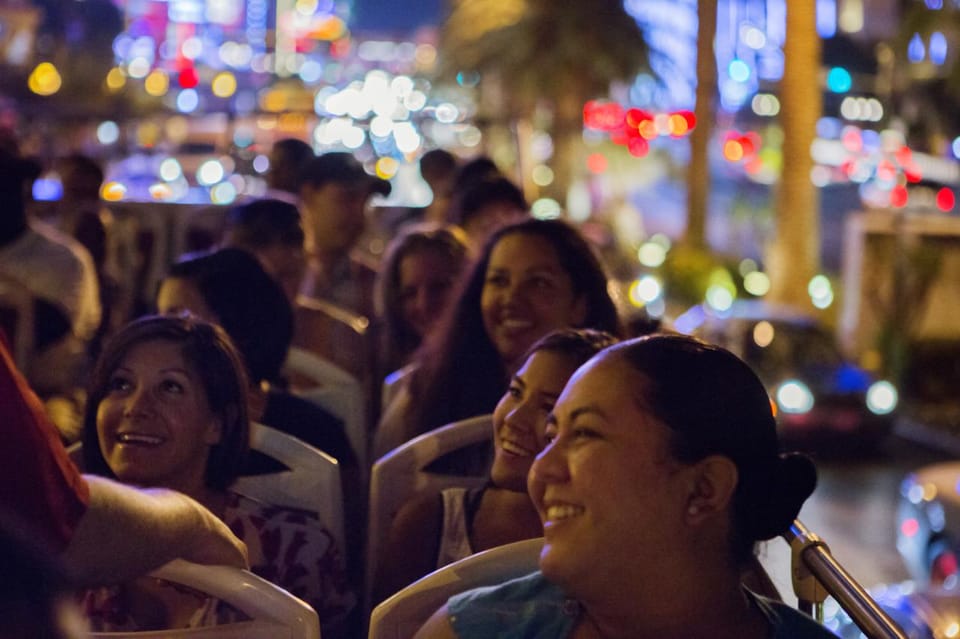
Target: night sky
column 395, row 15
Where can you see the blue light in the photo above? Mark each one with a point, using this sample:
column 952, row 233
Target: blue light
column 826, row 18
column 739, row 70
column 915, row 50
column 839, row 80
column 47, row 190
column 938, row 48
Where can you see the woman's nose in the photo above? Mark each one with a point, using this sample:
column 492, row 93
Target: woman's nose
column 550, row 465
column 139, row 403
column 519, row 416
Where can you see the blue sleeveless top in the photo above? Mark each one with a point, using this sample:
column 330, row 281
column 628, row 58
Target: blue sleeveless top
column 530, row 607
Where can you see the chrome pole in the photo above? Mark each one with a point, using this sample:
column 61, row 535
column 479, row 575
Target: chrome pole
column 816, row 574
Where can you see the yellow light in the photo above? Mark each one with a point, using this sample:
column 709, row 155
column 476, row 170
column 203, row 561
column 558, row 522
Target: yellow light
column 952, row 630
column 763, row 333
column 156, row 83
column 113, row 191
column 330, row 29
column 386, row 168
column 273, row 100
column 177, row 129
column 45, row 79
column 677, row 125
column 224, row 84
column 733, row 151
column 542, row 175
column 160, row 191
column 148, row 134
column 116, row 79
column 306, row 7
column 648, row 129
column 929, row 492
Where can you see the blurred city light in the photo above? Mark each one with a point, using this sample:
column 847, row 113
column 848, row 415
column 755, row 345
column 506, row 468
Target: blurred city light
column 44, row 79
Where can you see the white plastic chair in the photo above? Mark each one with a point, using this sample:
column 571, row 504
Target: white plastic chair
column 274, row 613
column 337, row 391
column 399, row 616
column 400, row 475
column 312, row 482
column 815, row 572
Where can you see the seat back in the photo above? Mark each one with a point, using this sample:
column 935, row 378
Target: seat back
column 399, row 616
column 336, row 391
column 274, row 613
column 312, row 482
column 401, row 474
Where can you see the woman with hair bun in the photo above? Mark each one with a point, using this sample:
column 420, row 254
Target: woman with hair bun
column 661, row 474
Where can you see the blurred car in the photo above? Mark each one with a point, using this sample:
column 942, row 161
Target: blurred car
column 928, row 525
column 815, row 391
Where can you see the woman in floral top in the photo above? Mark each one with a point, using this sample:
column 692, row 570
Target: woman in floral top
column 167, row 408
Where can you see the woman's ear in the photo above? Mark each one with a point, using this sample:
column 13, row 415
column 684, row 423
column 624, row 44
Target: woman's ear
column 714, row 482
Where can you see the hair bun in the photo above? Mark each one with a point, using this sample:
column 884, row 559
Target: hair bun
column 777, row 501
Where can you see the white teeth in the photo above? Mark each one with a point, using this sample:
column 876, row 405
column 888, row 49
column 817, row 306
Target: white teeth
column 516, row 324
column 511, row 447
column 138, row 438
column 556, row 513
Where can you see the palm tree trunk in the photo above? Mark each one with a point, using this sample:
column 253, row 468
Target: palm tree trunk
column 698, row 173
column 795, row 255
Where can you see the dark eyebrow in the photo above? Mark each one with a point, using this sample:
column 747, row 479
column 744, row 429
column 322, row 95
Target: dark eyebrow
column 519, row 380
column 588, row 410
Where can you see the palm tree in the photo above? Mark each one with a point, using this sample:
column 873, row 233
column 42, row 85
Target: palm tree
column 794, row 257
column 542, row 56
column 698, row 173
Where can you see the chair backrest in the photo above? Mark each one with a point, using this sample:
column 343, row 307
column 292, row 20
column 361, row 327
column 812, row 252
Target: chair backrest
column 312, row 482
column 401, row 474
column 334, row 390
column 274, row 613
column 403, row 613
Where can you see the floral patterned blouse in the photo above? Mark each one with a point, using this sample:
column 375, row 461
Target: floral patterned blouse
column 288, row 547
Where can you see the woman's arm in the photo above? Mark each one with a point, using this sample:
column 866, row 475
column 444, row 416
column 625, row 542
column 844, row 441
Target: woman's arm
column 411, row 548
column 437, row 626
column 126, row 532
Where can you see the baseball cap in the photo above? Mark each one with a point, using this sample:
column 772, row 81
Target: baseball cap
column 339, row 166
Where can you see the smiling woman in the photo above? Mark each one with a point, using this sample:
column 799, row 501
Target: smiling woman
column 435, row 530
column 660, row 473
column 531, row 278
column 167, row 407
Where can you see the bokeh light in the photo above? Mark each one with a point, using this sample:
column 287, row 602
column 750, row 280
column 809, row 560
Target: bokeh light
column 45, row 79
column 108, row 132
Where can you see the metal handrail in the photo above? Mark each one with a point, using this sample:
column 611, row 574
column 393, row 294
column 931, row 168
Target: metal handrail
column 816, row 574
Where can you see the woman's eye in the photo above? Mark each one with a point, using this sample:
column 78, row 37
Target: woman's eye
column 549, row 434
column 546, row 407
column 497, row 280
column 541, row 283
column 171, row 386
column 118, row 384
column 583, row 433
column 515, row 391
